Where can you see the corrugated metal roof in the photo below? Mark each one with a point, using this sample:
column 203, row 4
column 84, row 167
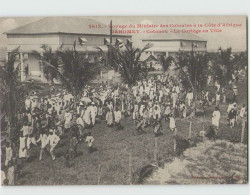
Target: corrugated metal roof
column 69, row 25
column 173, row 36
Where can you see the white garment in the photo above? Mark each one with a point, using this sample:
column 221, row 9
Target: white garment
column 172, row 123
column 118, row 116
column 216, row 118
column 217, row 97
column 22, row 148
column 8, row 155
column 79, row 121
column 242, row 111
column 67, row 117
column 157, row 112
column 230, row 106
column 3, row 177
column 86, row 116
column 190, row 95
column 53, row 140
column 43, row 139
column 90, row 140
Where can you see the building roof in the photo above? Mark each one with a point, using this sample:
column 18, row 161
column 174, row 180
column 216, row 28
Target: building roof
column 66, row 25
column 145, row 56
column 173, row 36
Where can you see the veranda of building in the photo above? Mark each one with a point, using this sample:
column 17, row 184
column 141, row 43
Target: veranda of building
column 169, row 44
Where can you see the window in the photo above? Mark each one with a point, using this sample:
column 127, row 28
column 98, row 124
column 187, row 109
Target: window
column 82, row 40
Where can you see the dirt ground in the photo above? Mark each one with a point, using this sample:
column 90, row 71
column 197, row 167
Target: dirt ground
column 210, row 162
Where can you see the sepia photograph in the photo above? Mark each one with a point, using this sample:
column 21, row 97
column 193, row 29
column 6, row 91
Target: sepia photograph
column 123, row 100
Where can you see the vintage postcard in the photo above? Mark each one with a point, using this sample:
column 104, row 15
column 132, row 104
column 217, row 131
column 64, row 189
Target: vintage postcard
column 137, row 100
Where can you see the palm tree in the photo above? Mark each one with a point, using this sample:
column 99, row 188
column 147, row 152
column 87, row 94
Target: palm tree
column 166, row 62
column 13, row 91
column 194, row 72
column 73, row 70
column 10, row 86
column 50, row 72
column 225, row 59
column 126, row 61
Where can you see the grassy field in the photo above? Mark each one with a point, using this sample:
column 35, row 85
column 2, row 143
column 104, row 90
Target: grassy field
column 113, row 149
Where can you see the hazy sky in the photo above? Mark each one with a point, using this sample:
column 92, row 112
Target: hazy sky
column 230, row 36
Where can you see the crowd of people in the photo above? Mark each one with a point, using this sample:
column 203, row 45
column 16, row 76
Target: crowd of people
column 45, row 121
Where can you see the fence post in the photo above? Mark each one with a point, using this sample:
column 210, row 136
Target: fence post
column 190, row 130
column 130, row 168
column 156, row 149
column 99, row 174
column 174, row 144
column 243, row 130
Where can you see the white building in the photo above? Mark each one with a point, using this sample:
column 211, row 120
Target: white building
column 170, row 44
column 55, row 31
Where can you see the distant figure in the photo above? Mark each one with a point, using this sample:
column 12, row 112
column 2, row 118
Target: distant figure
column 172, row 125
column 43, row 139
column 90, row 140
column 8, row 151
column 109, row 118
column 23, row 147
column 243, row 114
column 190, row 97
column 118, row 116
column 211, row 134
column 232, row 117
column 4, row 181
column 52, row 140
column 216, row 118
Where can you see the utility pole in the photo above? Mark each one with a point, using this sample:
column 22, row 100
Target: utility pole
column 110, row 47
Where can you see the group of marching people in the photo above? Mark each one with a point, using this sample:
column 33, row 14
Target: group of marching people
column 44, row 121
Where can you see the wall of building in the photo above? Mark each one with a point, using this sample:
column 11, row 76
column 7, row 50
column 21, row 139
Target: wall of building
column 187, row 46
column 31, row 42
column 165, row 45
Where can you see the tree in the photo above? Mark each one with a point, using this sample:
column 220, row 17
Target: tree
column 225, row 60
column 74, row 71
column 239, row 61
column 217, row 69
column 49, row 56
column 10, row 85
column 166, row 62
column 126, row 61
column 194, row 71
column 13, row 91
